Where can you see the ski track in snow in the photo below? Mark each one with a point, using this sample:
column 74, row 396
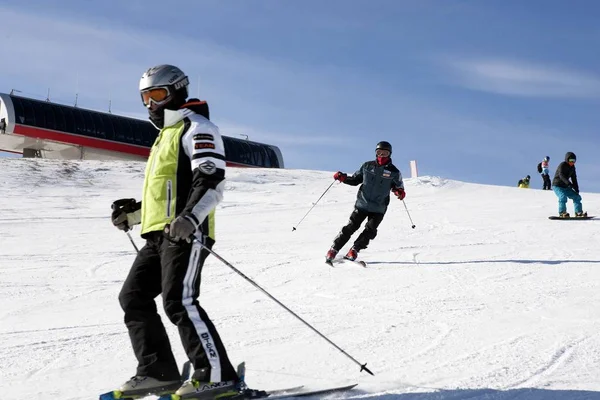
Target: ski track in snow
column 485, row 299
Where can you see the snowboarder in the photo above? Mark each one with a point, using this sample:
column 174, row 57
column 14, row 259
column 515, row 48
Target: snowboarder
column 524, row 183
column 565, row 186
column 183, row 183
column 545, row 171
column 377, row 178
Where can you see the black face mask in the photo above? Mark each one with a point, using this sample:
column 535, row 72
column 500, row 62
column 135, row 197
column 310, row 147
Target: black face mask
column 158, row 117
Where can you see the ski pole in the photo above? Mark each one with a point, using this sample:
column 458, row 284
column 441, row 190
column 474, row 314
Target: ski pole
column 313, row 206
column 411, row 221
column 132, row 242
column 237, row 271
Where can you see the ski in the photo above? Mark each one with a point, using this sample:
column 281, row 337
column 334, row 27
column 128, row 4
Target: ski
column 344, row 259
column 339, row 260
column 279, row 392
column 249, row 394
column 289, row 393
column 309, row 393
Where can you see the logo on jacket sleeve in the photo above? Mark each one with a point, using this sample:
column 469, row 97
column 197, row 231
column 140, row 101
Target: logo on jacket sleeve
column 208, row 167
column 203, row 136
column 204, row 145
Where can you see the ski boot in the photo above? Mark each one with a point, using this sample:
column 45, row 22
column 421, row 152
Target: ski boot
column 330, row 255
column 352, row 254
column 195, row 389
column 142, row 386
column 564, row 215
column 581, row 215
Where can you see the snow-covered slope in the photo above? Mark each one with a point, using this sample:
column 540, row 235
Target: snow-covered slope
column 485, row 298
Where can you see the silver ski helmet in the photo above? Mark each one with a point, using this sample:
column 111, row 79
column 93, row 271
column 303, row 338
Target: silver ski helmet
column 383, row 145
column 163, row 87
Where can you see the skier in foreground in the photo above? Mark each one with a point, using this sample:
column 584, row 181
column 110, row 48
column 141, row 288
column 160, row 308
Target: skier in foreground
column 376, row 178
column 183, row 183
column 565, row 186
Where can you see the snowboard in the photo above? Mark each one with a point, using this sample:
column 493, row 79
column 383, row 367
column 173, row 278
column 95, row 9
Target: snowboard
column 556, row 217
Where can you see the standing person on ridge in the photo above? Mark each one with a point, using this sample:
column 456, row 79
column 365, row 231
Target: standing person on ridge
column 183, row 183
column 565, row 186
column 545, row 166
column 377, row 178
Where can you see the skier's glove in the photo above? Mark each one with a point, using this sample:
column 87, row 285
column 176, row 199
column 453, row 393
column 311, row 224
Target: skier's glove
column 126, row 213
column 340, row 176
column 181, row 227
column 400, row 193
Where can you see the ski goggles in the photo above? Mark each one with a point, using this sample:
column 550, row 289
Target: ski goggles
column 156, row 96
column 571, row 161
column 382, row 153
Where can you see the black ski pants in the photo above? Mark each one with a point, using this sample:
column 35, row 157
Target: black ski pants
column 356, row 219
column 547, row 182
column 173, row 269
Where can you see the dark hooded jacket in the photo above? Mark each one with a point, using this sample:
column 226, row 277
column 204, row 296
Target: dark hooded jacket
column 564, row 172
column 376, row 181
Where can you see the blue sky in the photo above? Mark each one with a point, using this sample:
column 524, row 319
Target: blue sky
column 478, row 91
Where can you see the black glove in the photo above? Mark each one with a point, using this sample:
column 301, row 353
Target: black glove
column 126, row 213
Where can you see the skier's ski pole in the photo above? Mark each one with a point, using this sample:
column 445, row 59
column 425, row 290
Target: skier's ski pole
column 237, row 271
column 411, row 221
column 132, row 242
column 313, row 206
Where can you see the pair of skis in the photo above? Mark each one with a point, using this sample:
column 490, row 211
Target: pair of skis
column 288, row 393
column 244, row 394
column 340, row 260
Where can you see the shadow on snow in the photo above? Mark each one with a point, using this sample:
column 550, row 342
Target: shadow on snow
column 487, row 394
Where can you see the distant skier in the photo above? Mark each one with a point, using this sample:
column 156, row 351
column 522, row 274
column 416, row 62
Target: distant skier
column 544, row 169
column 377, row 178
column 524, row 183
column 565, row 186
column 183, row 183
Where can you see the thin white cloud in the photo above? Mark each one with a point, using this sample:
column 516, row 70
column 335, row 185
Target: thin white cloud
column 101, row 63
column 518, row 78
column 284, row 138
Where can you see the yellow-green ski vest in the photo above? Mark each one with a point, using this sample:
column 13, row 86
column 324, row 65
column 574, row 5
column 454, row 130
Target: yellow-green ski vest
column 159, row 197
